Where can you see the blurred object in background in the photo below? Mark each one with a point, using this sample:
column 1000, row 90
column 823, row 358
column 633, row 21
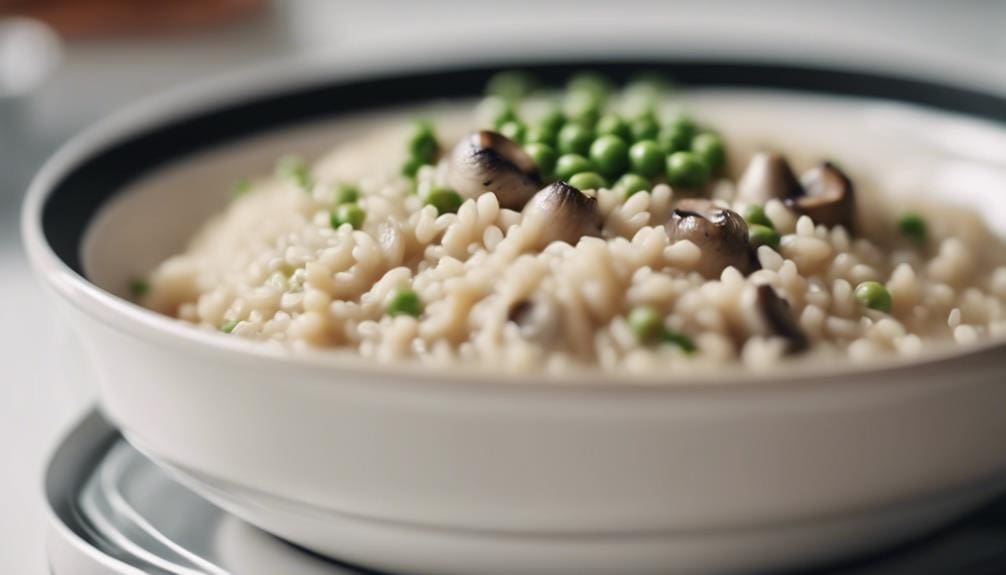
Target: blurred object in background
column 65, row 62
column 76, row 19
column 29, row 52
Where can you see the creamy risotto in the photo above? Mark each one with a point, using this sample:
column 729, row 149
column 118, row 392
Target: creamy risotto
column 595, row 227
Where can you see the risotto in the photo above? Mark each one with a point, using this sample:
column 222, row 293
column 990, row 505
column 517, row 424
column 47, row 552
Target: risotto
column 594, row 227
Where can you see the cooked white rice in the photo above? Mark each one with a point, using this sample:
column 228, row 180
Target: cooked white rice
column 272, row 263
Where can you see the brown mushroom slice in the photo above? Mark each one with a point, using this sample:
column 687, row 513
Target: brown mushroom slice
column 721, row 235
column 827, row 197
column 560, row 212
column 538, row 319
column 778, row 318
column 487, row 161
column 767, row 176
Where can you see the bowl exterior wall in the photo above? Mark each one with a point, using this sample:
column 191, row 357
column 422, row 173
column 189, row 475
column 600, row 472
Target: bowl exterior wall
column 549, row 459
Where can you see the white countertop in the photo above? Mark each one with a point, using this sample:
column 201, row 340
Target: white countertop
column 41, row 394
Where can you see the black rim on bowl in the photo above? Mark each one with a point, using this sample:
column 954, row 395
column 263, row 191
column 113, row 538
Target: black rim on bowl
column 81, row 192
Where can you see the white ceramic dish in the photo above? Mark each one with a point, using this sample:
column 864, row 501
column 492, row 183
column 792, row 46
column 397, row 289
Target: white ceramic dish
column 465, row 472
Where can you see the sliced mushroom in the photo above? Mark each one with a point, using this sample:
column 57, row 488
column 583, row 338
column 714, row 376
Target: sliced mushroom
column 778, row 320
column 768, row 176
column 537, row 319
column 560, row 212
column 487, row 161
column 721, row 235
column 826, row 197
column 823, row 193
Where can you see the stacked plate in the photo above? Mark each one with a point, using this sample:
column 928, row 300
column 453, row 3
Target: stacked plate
column 112, row 511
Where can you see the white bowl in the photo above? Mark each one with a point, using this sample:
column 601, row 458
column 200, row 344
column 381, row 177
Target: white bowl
column 461, row 471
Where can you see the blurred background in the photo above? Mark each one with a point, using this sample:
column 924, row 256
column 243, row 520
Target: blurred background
column 66, row 63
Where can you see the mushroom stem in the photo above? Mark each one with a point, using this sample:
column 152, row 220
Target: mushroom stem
column 768, row 176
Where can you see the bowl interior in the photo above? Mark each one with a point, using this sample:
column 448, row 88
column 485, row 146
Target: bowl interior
column 901, row 157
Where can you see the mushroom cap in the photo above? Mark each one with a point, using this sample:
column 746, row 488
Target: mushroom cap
column 767, row 176
column 721, row 235
column 827, row 197
column 560, row 212
column 777, row 318
column 487, row 161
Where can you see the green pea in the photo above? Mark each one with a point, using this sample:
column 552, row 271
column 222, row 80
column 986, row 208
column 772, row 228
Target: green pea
column 498, row 110
column 514, row 130
column 589, row 83
column 286, row 269
column 651, row 84
column 575, row 139
column 445, row 200
column 351, row 214
column 611, row 124
column 344, row 193
column 646, row 158
column 687, row 170
column 289, row 164
column 610, row 154
column 588, row 181
column 293, row 168
column 585, row 98
column 759, row 235
column 642, row 94
column 679, row 339
column 544, row 157
column 645, row 128
column 683, row 123
column 646, row 323
column 874, row 296
column 552, row 121
column 511, row 85
column 586, row 117
column 411, row 167
column 138, row 287
column 503, row 118
column 913, row 227
column 540, row 135
column 242, row 186
column 422, row 142
column 404, row 302
column 632, row 183
column 673, row 139
column 754, row 214
column 570, row 164
column 710, row 148
column 229, row 325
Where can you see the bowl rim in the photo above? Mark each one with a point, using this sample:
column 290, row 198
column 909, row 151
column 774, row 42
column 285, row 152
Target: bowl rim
column 271, row 84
